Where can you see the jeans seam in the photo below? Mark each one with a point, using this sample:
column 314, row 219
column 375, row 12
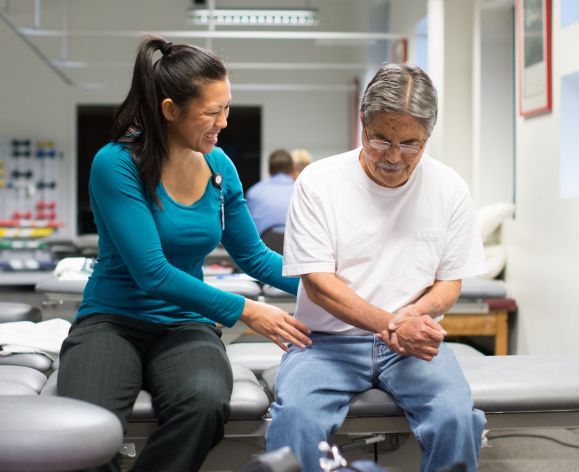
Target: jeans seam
column 375, row 372
column 388, row 389
column 419, row 440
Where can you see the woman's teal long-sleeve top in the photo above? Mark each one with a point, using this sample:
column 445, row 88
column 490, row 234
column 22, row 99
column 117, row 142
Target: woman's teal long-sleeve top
column 150, row 257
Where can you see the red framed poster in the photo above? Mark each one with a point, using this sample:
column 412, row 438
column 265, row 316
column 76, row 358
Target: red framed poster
column 533, row 18
column 400, row 51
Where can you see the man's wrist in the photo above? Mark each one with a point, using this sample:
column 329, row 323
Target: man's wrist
column 431, row 304
column 421, row 308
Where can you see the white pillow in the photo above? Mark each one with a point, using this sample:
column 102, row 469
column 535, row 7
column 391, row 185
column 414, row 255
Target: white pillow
column 496, row 256
column 491, row 216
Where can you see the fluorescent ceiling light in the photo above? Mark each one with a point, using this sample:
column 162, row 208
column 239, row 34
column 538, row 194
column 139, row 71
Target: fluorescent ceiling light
column 254, row 17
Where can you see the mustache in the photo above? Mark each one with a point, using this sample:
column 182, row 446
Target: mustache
column 386, row 166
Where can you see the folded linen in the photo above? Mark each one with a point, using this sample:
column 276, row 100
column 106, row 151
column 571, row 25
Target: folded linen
column 45, row 337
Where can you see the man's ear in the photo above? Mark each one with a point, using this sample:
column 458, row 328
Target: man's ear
column 170, row 110
column 362, row 118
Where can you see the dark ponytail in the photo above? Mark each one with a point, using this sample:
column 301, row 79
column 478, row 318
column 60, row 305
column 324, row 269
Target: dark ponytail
column 139, row 123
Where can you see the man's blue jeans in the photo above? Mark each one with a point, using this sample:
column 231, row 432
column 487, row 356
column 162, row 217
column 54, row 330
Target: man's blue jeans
column 314, row 387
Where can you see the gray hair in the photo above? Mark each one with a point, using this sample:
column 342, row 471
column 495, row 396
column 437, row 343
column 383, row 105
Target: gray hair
column 401, row 88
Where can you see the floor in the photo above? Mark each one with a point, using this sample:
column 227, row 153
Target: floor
column 554, row 450
column 544, row 450
column 539, row 450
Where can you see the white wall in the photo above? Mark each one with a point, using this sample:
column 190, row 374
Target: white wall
column 450, row 25
column 493, row 104
column 317, row 121
column 543, row 265
column 452, row 140
column 404, row 15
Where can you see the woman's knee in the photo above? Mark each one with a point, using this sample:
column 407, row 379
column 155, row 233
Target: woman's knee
column 211, row 402
column 196, row 403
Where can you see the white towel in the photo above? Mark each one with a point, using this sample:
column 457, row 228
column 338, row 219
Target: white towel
column 45, row 337
column 74, row 268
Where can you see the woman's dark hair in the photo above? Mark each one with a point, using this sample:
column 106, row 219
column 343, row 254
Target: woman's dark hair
column 178, row 74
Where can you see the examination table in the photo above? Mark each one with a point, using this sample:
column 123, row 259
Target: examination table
column 514, row 391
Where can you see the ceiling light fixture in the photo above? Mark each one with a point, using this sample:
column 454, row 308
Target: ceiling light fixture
column 254, row 17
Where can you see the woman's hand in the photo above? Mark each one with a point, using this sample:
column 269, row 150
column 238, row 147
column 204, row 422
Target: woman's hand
column 275, row 324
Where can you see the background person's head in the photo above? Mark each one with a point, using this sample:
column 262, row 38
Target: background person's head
column 398, row 113
column 302, row 159
column 280, row 162
column 167, row 81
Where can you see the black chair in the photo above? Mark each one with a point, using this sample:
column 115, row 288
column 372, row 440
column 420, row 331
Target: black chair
column 273, row 238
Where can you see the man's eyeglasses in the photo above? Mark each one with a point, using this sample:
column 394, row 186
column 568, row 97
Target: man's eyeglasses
column 385, row 146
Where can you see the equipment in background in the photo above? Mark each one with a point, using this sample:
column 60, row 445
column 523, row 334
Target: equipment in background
column 29, row 203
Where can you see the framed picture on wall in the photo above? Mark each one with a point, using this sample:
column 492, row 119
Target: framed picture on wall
column 400, row 51
column 534, row 56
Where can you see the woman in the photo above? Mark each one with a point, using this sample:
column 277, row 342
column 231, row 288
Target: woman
column 163, row 197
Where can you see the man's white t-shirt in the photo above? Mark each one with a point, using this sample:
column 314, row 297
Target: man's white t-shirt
column 387, row 244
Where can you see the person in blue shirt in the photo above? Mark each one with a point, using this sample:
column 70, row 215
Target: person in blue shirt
column 268, row 200
column 163, row 196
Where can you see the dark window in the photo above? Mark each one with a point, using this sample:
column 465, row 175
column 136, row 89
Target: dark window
column 241, row 141
column 94, row 124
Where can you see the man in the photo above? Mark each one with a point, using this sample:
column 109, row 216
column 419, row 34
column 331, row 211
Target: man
column 381, row 237
column 268, row 200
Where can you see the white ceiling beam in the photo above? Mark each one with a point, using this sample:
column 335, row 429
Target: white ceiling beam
column 294, row 66
column 265, row 87
column 295, row 35
column 230, row 65
column 293, row 88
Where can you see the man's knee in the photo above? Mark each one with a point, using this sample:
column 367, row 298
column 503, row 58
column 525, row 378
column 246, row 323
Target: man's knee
column 301, row 417
column 458, row 417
